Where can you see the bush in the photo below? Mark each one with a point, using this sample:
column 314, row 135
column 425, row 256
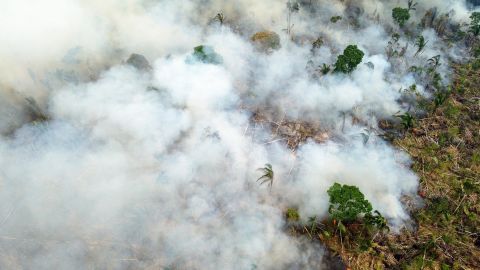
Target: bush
column 349, row 60
column 400, row 15
column 335, row 19
column 347, row 203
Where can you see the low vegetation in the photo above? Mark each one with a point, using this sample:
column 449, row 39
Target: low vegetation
column 445, row 147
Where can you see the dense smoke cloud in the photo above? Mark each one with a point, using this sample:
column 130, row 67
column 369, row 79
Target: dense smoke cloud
column 130, row 168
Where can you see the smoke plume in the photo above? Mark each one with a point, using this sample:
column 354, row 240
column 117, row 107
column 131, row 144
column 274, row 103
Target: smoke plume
column 105, row 165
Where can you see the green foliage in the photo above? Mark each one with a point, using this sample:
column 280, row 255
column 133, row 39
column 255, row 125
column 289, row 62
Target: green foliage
column 406, row 120
column 420, row 43
column 475, row 23
column 325, row 69
column 347, row 203
column 293, row 215
column 267, row 176
column 476, row 52
column 207, row 55
column 335, row 19
column 375, row 220
column 349, row 60
column 440, row 98
column 400, row 15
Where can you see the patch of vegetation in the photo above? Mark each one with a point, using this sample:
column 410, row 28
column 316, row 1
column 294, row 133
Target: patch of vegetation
column 349, row 60
column 335, row 19
column 325, row 69
column 475, row 23
column 347, row 203
column 445, row 148
column 207, row 55
column 292, row 215
column 406, row 120
column 420, row 43
column 400, row 15
column 267, row 176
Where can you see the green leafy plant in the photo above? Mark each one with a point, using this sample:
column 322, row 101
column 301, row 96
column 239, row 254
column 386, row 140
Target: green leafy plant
column 420, row 43
column 375, row 220
column 347, row 203
column 292, row 215
column 475, row 23
column 325, row 69
column 267, row 176
column 335, row 19
column 406, row 120
column 349, row 60
column 400, row 15
column 440, row 98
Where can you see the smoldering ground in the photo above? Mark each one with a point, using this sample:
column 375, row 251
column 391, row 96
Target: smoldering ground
column 157, row 168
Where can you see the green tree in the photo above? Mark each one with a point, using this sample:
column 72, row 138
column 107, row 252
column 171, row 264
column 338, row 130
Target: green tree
column 475, row 23
column 349, row 60
column 400, row 15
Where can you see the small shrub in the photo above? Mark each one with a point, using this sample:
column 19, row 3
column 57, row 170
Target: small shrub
column 440, row 98
column 400, row 15
column 375, row 220
column 406, row 120
column 325, row 69
column 293, row 215
column 347, row 203
column 335, row 19
column 349, row 60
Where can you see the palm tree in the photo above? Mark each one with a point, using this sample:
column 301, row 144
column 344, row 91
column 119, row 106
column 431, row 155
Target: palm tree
column 267, row 176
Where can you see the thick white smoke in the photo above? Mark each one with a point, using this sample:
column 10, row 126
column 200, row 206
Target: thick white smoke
column 156, row 169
